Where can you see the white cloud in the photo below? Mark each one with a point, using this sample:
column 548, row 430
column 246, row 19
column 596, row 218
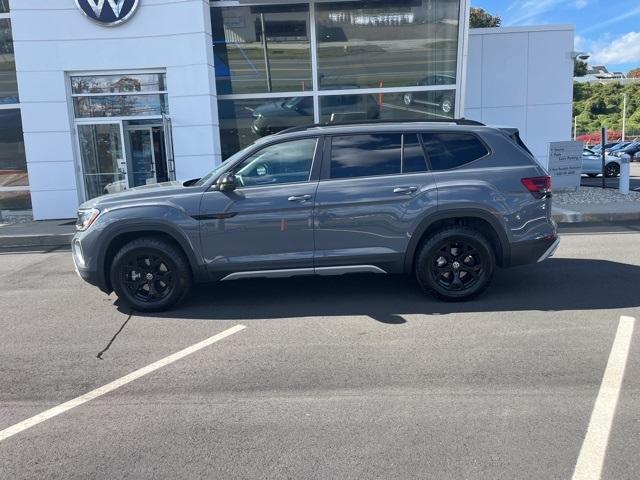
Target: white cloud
column 623, row 49
column 580, row 4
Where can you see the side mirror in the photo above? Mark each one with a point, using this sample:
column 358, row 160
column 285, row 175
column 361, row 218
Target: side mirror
column 227, row 183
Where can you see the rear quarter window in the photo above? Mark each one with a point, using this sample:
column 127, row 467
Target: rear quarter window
column 447, row 151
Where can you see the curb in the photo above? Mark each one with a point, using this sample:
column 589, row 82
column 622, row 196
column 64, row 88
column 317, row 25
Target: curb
column 561, row 215
column 50, row 241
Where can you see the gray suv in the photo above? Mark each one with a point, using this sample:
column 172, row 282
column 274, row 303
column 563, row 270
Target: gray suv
column 445, row 201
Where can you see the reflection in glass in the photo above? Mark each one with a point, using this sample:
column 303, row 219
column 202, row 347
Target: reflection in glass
column 103, row 163
column 8, row 79
column 366, row 155
column 247, row 61
column 242, row 122
column 4, row 6
column 376, row 44
column 148, row 82
column 288, row 162
column 13, row 163
column 120, row 105
column 15, row 200
column 387, row 106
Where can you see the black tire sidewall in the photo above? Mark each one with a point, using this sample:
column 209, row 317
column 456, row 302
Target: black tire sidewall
column 432, row 245
column 169, row 255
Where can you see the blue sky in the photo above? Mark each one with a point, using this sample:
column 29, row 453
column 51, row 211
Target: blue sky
column 608, row 29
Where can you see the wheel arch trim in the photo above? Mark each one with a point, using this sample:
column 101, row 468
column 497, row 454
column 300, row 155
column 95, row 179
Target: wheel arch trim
column 453, row 213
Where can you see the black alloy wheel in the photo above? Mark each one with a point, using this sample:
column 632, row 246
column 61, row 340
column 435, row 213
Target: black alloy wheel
column 455, row 264
column 612, row 170
column 147, row 276
column 150, row 274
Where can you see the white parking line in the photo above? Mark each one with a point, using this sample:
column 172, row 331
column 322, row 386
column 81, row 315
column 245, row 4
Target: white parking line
column 594, row 447
column 98, row 392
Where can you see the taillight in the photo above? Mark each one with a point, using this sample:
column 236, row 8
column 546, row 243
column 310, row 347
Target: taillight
column 539, row 187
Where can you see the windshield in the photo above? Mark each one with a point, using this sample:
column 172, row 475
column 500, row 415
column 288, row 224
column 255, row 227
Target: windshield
column 219, row 169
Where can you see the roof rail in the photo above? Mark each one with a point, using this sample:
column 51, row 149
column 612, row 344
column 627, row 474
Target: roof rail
column 457, row 121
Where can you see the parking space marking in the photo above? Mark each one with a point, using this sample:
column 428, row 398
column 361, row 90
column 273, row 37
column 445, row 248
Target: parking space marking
column 594, row 447
column 98, row 392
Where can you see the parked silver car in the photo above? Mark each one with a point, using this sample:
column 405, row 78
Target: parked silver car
column 592, row 164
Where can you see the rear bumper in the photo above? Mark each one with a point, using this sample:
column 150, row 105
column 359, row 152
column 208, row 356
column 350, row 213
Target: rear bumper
column 533, row 251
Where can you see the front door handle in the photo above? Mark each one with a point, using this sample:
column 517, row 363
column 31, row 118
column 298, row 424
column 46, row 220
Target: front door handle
column 405, row 190
column 300, row 198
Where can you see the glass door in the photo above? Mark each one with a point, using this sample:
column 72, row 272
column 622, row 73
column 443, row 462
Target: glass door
column 146, row 153
column 104, row 167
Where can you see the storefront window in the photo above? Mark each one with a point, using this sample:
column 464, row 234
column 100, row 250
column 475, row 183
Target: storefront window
column 8, row 79
column 120, row 106
column 129, row 95
column 130, row 83
column 4, row 6
column 248, row 61
column 403, row 52
column 242, row 122
column 345, row 108
column 379, row 44
column 13, row 163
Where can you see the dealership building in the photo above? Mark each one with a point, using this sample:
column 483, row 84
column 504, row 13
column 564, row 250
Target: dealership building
column 97, row 96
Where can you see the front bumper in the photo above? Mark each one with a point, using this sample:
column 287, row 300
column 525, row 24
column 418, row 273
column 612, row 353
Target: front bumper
column 84, row 271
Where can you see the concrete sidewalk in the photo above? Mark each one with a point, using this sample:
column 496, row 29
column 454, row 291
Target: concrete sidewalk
column 40, row 234
column 594, row 213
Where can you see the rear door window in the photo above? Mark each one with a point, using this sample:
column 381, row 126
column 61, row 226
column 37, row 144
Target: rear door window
column 447, row 151
column 366, row 155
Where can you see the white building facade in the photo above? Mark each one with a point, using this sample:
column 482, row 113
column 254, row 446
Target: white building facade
column 183, row 84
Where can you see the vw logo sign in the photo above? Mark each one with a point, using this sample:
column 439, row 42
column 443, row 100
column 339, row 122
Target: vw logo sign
column 108, row 12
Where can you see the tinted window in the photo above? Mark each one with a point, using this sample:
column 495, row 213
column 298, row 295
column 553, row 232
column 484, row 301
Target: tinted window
column 413, row 160
column 287, row 162
column 365, row 155
column 452, row 150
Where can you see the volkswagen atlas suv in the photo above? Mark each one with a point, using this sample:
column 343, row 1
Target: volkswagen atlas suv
column 447, row 202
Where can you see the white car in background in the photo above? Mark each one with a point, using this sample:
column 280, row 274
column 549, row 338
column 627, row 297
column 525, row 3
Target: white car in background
column 592, row 164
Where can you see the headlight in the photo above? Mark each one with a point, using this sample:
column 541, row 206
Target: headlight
column 86, row 218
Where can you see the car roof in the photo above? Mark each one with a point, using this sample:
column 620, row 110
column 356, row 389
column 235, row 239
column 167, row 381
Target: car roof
column 381, row 126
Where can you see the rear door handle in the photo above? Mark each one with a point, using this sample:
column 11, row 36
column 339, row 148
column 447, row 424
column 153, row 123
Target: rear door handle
column 405, row 190
column 300, row 198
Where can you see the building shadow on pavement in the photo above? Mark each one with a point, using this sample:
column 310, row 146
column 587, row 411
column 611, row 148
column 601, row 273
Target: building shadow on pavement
column 555, row 285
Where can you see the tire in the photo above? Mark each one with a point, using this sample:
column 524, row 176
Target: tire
column 471, row 269
column 407, row 99
column 150, row 274
column 612, row 170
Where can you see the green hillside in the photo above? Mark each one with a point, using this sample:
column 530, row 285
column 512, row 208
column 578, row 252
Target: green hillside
column 598, row 105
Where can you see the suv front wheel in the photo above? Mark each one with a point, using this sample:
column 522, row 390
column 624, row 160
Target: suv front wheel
column 455, row 264
column 150, row 274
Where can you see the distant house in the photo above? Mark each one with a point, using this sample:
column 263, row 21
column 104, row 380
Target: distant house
column 600, row 73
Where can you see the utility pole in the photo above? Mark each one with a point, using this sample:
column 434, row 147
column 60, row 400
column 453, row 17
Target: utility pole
column 624, row 117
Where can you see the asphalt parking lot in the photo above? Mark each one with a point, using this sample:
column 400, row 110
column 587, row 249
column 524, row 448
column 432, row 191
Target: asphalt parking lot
column 353, row 377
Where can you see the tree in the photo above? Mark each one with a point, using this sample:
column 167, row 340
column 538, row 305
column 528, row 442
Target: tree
column 579, row 68
column 635, row 73
column 480, row 18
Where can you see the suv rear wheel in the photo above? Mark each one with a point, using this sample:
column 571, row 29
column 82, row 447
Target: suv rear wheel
column 455, row 264
column 150, row 274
